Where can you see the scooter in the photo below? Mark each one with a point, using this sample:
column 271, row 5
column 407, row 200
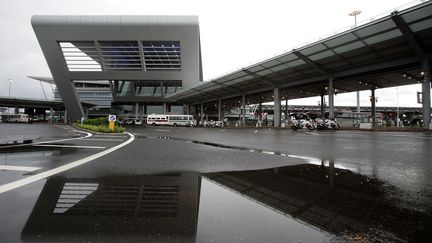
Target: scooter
column 300, row 124
column 327, row 124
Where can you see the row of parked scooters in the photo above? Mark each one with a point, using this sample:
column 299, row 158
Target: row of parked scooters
column 303, row 121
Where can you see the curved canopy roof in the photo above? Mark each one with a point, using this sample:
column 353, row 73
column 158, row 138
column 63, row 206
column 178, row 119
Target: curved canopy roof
column 386, row 52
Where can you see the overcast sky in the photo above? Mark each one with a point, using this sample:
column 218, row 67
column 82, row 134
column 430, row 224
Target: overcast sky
column 234, row 34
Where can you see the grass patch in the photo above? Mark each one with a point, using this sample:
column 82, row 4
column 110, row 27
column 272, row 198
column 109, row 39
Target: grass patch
column 100, row 128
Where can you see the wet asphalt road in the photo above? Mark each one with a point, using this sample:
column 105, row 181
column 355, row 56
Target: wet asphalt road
column 218, row 171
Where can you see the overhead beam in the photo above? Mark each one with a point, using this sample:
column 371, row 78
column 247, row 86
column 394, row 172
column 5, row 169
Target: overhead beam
column 317, row 67
column 408, row 35
column 271, row 83
column 229, row 87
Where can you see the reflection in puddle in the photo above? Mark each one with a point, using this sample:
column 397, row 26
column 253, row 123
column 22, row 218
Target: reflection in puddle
column 123, row 208
column 303, row 202
column 348, row 205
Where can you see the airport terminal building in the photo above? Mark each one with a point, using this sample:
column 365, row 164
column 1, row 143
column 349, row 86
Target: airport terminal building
column 152, row 64
column 141, row 58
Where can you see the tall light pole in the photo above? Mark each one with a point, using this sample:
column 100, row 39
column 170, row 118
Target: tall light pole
column 355, row 13
column 10, row 83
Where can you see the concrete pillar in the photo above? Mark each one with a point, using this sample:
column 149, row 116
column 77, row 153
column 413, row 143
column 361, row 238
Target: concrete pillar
column 426, row 96
column 16, row 110
column 331, row 98
column 373, row 108
column 202, row 112
column 219, row 110
column 260, row 111
column 51, row 115
column 358, row 101
column 186, row 109
column 136, row 110
column 322, row 106
column 243, row 110
column 145, row 109
column 286, row 112
column 65, row 116
column 141, row 111
column 165, row 108
column 277, row 108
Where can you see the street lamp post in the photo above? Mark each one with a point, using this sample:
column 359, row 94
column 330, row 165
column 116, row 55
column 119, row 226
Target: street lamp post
column 355, row 13
column 10, row 83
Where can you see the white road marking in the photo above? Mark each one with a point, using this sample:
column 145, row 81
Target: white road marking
column 101, row 139
column 68, row 146
column 43, row 175
column 109, row 136
column 408, row 136
column 53, row 141
column 19, row 168
column 348, row 147
column 312, row 133
column 162, row 130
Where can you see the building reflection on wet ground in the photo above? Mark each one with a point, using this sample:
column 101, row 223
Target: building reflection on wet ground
column 325, row 202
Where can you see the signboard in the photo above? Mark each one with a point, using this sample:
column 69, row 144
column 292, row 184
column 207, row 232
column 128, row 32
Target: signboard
column 111, row 121
column 112, row 118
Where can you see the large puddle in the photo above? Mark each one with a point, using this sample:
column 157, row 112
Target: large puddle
column 298, row 203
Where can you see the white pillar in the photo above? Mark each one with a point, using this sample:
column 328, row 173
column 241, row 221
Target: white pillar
column 52, row 114
column 202, row 112
column 331, row 98
column 243, row 109
column 277, row 108
column 358, row 101
column 219, row 110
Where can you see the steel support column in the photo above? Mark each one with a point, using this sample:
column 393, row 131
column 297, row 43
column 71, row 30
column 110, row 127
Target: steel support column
column 243, row 111
column 322, row 106
column 65, row 117
column 373, row 107
column 141, row 110
column 219, row 110
column 358, row 101
column 136, row 110
column 202, row 112
column 426, row 96
column 331, row 98
column 186, row 109
column 165, row 108
column 51, row 115
column 277, row 108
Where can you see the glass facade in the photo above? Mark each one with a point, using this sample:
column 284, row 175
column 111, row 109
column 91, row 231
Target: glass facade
column 162, row 55
column 146, row 88
column 121, row 55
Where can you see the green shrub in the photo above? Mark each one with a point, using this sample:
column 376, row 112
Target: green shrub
column 100, row 128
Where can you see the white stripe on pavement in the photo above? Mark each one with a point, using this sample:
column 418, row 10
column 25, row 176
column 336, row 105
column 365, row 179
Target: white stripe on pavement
column 162, row 130
column 19, row 168
column 54, row 141
column 312, row 133
column 68, row 146
column 43, row 175
column 101, row 139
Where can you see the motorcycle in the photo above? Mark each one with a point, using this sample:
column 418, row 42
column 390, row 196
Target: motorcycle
column 300, row 124
column 327, row 124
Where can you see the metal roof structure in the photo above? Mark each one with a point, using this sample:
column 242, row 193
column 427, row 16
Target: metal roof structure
column 386, row 52
column 22, row 102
